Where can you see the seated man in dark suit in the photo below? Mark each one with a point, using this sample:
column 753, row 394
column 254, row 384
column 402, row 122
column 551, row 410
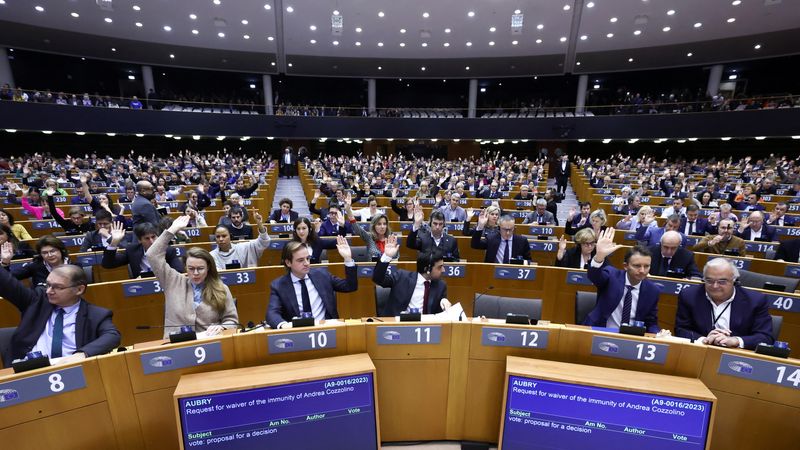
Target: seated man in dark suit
column 754, row 229
column 238, row 228
column 334, row 224
column 778, row 217
column 57, row 321
column 134, row 254
column 426, row 239
column 789, row 251
column 622, row 295
column 669, row 259
column 652, row 235
column 503, row 247
column 292, row 294
column 284, row 214
column 423, row 289
column 541, row 215
column 97, row 239
column 694, row 225
column 722, row 313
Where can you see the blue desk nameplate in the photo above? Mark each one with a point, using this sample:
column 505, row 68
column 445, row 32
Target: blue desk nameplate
column 527, row 273
column 72, row 241
column 192, row 232
column 514, row 337
column 41, row 386
column 238, row 277
column 759, row 370
column 417, row 334
column 281, row 228
column 139, row 288
column 366, row 271
column 180, row 358
column 543, row 246
column 45, row 225
column 454, row 271
column 579, row 278
column 313, row 339
column 780, row 302
column 629, row 349
column 542, row 230
column 792, row 271
column 277, row 245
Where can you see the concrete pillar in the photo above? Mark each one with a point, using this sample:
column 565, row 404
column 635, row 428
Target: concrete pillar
column 371, row 96
column 580, row 99
column 268, row 106
column 6, row 76
column 473, row 98
column 714, row 78
column 147, row 79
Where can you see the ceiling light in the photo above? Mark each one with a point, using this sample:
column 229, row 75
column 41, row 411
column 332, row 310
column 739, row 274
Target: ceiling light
column 538, row 41
column 665, row 29
column 220, row 138
column 757, row 47
column 613, row 20
column 380, row 68
column 596, row 86
column 732, row 19
column 10, row 130
column 736, row 2
column 113, row 49
column 692, row 139
column 581, row 140
column 447, row 30
column 358, row 30
column 610, row 35
column 195, row 32
column 590, row 5
column 80, row 133
column 630, row 59
column 193, row 16
column 689, row 54
column 469, row 44
column 578, row 63
column 167, row 28
column 402, row 44
column 491, row 43
column 446, row 44
column 47, row 132
column 492, row 29
column 466, row 68
column 514, row 42
column 246, row 36
column 422, row 68
column 698, row 24
column 760, row 138
column 139, row 24
column 793, row 137
column 272, row 63
column 137, row 8
column 380, row 44
column 217, row 2
column 725, row 139
column 221, row 34
column 471, row 14
column 171, row 56
column 637, row 32
column 426, row 15
column 245, row 22
column 733, row 77
column 290, row 64
column 38, row 8
column 313, row 41
column 566, row 7
column 75, row 15
column 289, row 9
column 196, row 137
column 336, row 12
column 563, row 39
column 483, row 89
column 381, row 14
column 335, row 42
column 606, row 141
column 270, row 38
column 358, row 44
column 131, row 77
column 584, row 37
column 671, row 12
column 108, row 20
column 139, row 135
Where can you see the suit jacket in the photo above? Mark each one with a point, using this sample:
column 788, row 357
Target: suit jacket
column 610, row 283
column 789, row 250
column 750, row 319
column 132, row 256
column 460, row 214
column 547, row 218
column 652, row 235
column 423, row 240
column 144, row 211
column 276, row 216
column 92, row 241
column 788, row 221
column 283, row 300
column 318, row 246
column 681, row 264
column 402, row 283
column 736, row 243
column 519, row 246
column 767, row 233
column 562, row 172
column 95, row 333
column 572, row 258
column 701, row 226
column 329, row 229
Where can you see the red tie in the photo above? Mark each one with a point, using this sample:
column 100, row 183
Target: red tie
column 425, row 297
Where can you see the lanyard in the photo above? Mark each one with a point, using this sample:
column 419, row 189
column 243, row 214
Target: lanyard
column 716, row 318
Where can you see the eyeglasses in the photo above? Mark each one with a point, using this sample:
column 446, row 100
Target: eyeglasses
column 57, row 287
column 507, row 230
column 726, row 228
column 49, row 252
column 196, row 269
column 721, row 283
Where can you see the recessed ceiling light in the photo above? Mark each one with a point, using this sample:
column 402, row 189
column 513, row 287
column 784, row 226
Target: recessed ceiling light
column 195, row 32
column 538, row 41
column 272, row 63
column 171, row 56
column 38, row 8
column 422, row 68
column 426, row 15
column 563, row 39
column 466, row 68
column 689, row 55
column 137, row 8
column 290, row 64
column 630, row 59
column 193, row 16
column 469, row 44
column 447, row 30
column 446, row 44
column 584, row 37
column 514, row 42
column 757, row 47
column 313, row 41
column 491, row 42
column 358, row 44
column 245, row 22
column 665, row 29
column 270, row 38
column 471, row 14
column 380, row 44
column 698, row 24
column 289, row 9
column 113, row 49
column 335, row 42
column 483, row 89
column 590, row 5
column 108, row 20
column 335, row 12
column 578, row 63
column 566, row 7
column 139, row 24
column 75, row 15
column 359, row 30
column 167, row 28
column 492, row 29
column 313, row 28
column 517, row 11
column 637, row 32
column 381, row 14
column 221, row 34
column 732, row 19
column 736, row 2
column 613, row 20
column 671, row 12
column 424, row 44
column 217, row 2
column 402, row 44
column 610, row 35
column 402, row 30
column 725, row 139
column 246, row 36
column 380, row 68
column 45, row 131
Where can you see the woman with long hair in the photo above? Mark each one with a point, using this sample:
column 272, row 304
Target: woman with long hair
column 18, row 250
column 50, row 253
column 306, row 233
column 198, row 298
column 8, row 220
column 375, row 237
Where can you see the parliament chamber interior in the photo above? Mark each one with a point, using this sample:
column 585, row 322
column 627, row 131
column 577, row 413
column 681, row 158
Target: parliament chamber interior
column 337, row 224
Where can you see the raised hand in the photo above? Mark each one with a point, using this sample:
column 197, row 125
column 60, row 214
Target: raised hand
column 179, row 224
column 117, row 232
column 6, row 252
column 562, row 245
column 419, row 216
column 649, row 218
column 483, row 218
column 605, row 244
column 344, row 248
column 391, row 247
column 258, row 217
column 571, row 214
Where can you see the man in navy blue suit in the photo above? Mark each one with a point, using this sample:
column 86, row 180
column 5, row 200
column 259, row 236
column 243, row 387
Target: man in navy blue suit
column 754, row 229
column 57, row 321
column 304, row 289
column 652, row 235
column 433, row 237
column 694, row 225
column 423, row 289
column 502, row 247
column 622, row 295
column 669, row 259
column 722, row 313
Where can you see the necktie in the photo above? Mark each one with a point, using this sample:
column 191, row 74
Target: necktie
column 425, row 295
column 304, row 294
column 626, row 305
column 691, row 228
column 666, row 265
column 507, row 252
column 58, row 334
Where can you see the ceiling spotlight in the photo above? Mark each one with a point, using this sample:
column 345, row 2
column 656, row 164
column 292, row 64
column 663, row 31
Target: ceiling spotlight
column 466, row 68
column 610, row 35
column 113, row 49
column 335, row 12
column 402, row 44
column 80, row 133
column 422, row 68
column 491, row 43
column 446, row 44
column 171, row 56
column 731, row 20
column 139, row 24
column 538, row 41
column 665, row 29
column 167, row 28
column 38, row 8
column 757, row 47
column 137, row 8
column 492, row 29
column 246, row 36
column 566, row 7
column 689, row 54
column 483, row 89
column 469, row 44
column 447, row 30
column 47, row 132
column 289, row 9
column 358, row 44
column 108, row 20
column 671, row 12
column 381, row 14
column 637, row 32
column 590, row 5
column 725, row 139
column 426, row 15
column 584, row 37
column 75, row 15
column 193, row 16
column 358, row 30
column 698, row 24
column 630, row 59
column 380, row 44
column 563, row 39
column 514, row 42
column 581, row 140
column 272, row 63
column 540, row 26
column 313, row 41
column 217, row 2
column 736, row 2
column 760, row 138
column 290, row 64
column 335, row 42
column 195, row 32
column 270, row 38
column 380, row 68
column 471, row 14
column 245, row 22
column 613, row 20
column 221, row 34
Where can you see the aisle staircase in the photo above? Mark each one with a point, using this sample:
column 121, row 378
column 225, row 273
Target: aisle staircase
column 291, row 188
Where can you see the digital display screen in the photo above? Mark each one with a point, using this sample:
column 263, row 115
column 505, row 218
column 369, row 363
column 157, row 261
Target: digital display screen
column 550, row 415
column 334, row 413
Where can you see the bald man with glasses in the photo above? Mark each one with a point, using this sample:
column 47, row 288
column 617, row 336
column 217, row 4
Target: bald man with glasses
column 503, row 247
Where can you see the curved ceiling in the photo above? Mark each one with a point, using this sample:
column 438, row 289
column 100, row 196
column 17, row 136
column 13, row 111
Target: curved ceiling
column 420, row 38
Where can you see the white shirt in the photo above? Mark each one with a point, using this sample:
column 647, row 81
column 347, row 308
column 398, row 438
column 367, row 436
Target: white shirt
column 317, row 308
column 418, row 296
column 722, row 313
column 615, row 319
column 68, row 344
column 755, row 234
column 501, row 251
column 671, row 210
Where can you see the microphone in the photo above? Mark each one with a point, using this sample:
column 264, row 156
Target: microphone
column 488, row 288
column 242, row 327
